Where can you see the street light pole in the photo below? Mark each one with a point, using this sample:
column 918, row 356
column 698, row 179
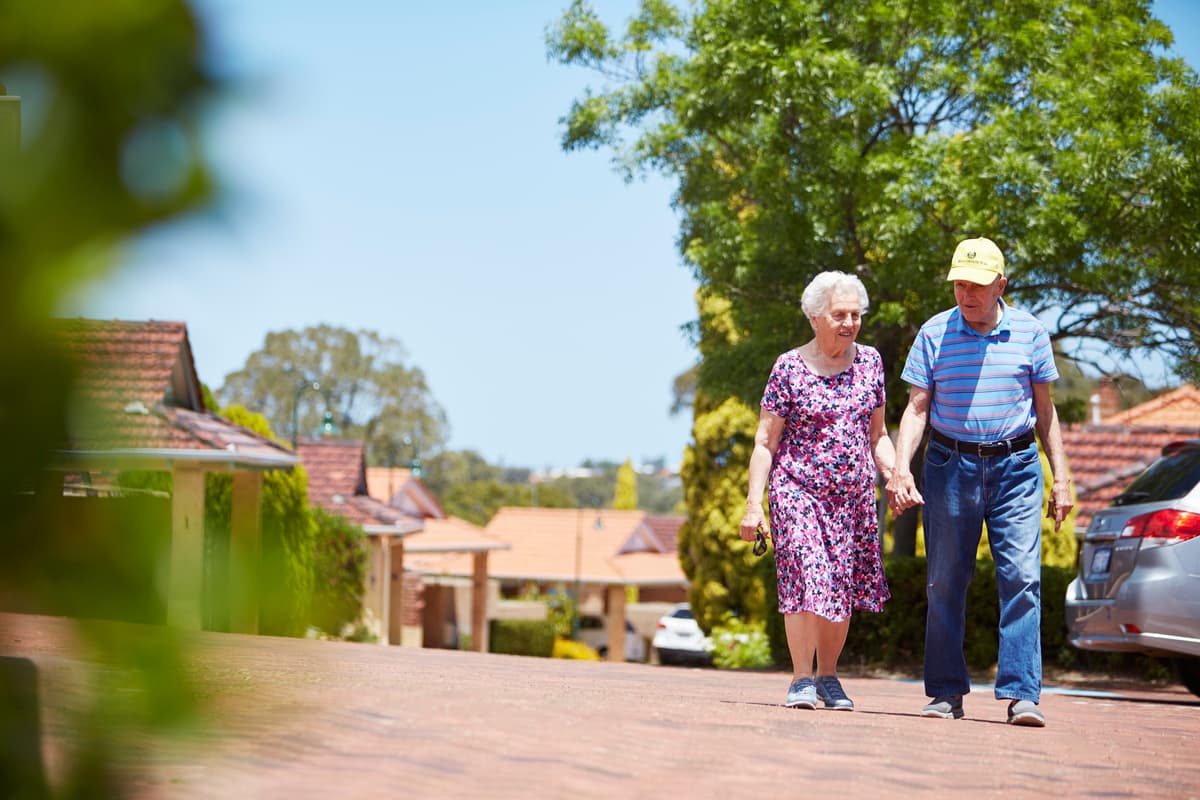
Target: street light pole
column 578, row 571
column 301, row 388
column 579, row 564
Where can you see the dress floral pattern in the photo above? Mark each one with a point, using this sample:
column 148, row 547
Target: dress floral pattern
column 821, row 487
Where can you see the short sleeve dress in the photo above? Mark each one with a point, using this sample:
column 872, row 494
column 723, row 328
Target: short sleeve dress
column 822, row 487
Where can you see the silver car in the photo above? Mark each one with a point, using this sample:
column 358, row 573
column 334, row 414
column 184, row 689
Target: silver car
column 1138, row 587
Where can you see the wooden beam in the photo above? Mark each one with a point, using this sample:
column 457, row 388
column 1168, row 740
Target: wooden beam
column 396, row 593
column 245, row 549
column 616, row 622
column 479, row 593
column 185, row 607
column 377, row 593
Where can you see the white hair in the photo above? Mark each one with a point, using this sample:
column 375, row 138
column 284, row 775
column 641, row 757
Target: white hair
column 815, row 300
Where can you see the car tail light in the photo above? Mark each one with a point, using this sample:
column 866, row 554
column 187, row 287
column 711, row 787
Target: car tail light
column 1130, row 628
column 661, row 624
column 1170, row 524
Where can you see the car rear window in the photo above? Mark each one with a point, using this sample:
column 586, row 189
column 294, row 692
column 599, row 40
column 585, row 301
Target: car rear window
column 682, row 613
column 1169, row 478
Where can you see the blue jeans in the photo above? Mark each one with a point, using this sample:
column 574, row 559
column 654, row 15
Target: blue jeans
column 962, row 492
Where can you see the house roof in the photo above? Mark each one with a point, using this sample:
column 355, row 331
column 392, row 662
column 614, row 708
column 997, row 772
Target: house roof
column 665, row 530
column 403, row 489
column 1179, row 407
column 544, row 548
column 136, row 399
column 337, row 483
column 448, row 535
column 1104, row 459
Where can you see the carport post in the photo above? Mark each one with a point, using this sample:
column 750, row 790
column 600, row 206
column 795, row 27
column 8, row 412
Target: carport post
column 616, row 622
column 479, row 591
column 185, row 587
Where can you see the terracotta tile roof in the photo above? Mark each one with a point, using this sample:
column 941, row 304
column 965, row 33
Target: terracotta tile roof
column 665, row 530
column 136, row 389
column 447, row 535
column 401, row 488
column 1104, row 460
column 337, row 483
column 544, row 548
column 1180, row 407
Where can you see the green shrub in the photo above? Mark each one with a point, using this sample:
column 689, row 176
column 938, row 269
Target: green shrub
column 522, row 637
column 738, row 644
column 288, row 539
column 339, row 572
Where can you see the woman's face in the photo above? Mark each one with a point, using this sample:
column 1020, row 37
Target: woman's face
column 838, row 326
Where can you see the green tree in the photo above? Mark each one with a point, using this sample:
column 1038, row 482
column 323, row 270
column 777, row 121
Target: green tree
column 626, row 496
column 456, row 467
column 866, row 138
column 374, row 395
column 478, row 501
column 861, row 139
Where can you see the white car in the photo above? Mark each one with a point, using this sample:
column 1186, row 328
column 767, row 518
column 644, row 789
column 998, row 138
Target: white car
column 679, row 639
column 593, row 631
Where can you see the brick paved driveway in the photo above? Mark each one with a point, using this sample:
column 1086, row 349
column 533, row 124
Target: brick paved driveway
column 329, row 719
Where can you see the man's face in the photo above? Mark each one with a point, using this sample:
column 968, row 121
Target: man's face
column 978, row 303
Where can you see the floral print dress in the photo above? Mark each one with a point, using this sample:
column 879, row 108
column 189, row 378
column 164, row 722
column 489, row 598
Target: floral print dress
column 821, row 487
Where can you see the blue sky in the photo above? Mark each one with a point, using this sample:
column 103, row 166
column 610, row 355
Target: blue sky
column 395, row 166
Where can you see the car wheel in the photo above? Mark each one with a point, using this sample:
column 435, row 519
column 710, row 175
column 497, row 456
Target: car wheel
column 1188, row 670
column 602, row 652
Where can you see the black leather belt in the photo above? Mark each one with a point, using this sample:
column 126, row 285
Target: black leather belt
column 984, row 449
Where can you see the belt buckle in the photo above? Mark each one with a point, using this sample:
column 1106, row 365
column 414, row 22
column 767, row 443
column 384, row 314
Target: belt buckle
column 989, row 449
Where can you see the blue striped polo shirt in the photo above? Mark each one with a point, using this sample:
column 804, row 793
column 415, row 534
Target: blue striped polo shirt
column 982, row 383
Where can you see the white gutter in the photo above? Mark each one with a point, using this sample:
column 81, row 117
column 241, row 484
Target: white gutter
column 167, row 456
column 452, row 548
column 395, row 530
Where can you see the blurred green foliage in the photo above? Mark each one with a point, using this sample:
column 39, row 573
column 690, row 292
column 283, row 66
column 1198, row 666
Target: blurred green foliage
column 112, row 95
column 738, row 644
column 289, row 537
column 522, row 637
column 339, row 572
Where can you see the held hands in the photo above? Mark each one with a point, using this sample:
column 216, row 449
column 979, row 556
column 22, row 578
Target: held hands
column 902, row 492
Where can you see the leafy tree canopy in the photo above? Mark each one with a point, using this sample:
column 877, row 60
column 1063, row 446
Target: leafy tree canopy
column 360, row 376
column 870, row 137
column 867, row 137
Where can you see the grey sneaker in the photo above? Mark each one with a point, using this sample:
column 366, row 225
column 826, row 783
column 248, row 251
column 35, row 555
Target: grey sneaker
column 802, row 694
column 947, row 707
column 1025, row 712
column 829, row 689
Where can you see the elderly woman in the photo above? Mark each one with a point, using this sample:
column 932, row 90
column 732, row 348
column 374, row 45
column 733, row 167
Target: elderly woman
column 820, row 437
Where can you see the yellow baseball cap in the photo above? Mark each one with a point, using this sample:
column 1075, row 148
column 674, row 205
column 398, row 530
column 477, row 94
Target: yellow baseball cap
column 976, row 260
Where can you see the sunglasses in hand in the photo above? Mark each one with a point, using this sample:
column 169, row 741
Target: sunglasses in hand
column 760, row 542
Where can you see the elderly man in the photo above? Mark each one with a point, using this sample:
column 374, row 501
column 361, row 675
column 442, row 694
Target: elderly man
column 980, row 376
